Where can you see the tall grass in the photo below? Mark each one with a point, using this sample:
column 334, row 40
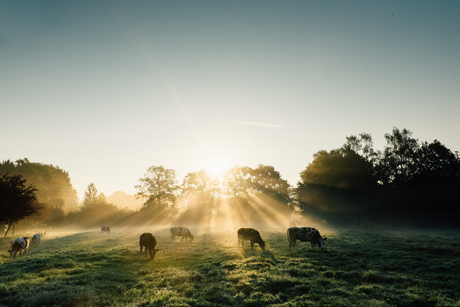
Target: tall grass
column 357, row 269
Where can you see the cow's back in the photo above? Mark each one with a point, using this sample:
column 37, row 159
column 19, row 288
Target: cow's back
column 249, row 234
column 148, row 240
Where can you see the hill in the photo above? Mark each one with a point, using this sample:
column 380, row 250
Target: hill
column 122, row 200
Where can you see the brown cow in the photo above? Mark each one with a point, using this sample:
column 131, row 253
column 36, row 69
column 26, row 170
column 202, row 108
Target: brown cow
column 19, row 245
column 252, row 235
column 148, row 241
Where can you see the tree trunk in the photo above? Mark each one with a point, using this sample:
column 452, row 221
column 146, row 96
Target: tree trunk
column 8, row 228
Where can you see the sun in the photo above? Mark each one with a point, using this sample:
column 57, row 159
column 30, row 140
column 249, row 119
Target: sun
column 216, row 167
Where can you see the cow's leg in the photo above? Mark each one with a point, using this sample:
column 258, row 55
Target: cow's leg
column 312, row 245
column 252, row 244
column 292, row 244
column 182, row 239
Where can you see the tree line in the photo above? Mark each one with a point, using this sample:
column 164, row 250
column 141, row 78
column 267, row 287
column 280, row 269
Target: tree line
column 407, row 182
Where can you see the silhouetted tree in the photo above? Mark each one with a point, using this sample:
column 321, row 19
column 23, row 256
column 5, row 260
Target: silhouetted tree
column 159, row 188
column 338, row 182
column 398, row 162
column 53, row 186
column 17, row 199
column 408, row 181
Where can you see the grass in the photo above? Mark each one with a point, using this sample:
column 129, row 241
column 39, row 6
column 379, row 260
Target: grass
column 358, row 268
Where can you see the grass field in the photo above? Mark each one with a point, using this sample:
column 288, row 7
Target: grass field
column 359, row 268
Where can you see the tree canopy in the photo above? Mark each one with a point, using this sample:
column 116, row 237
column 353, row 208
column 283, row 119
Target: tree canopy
column 53, row 185
column 17, row 199
column 409, row 180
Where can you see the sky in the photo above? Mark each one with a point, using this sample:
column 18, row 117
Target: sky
column 107, row 89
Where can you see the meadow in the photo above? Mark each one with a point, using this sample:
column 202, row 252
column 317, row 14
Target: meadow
column 358, row 268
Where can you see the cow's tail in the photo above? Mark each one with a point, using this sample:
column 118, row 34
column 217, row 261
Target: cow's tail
column 289, row 236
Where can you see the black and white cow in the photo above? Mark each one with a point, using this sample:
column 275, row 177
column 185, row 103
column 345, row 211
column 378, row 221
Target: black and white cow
column 183, row 232
column 252, row 235
column 19, row 245
column 105, row 229
column 148, row 241
column 305, row 234
column 36, row 239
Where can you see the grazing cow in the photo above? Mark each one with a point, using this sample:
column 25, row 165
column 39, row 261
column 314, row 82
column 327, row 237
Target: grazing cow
column 148, row 241
column 105, row 229
column 305, row 234
column 252, row 235
column 19, row 245
column 36, row 239
column 183, row 232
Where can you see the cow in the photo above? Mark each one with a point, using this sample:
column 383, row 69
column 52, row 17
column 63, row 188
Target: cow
column 148, row 241
column 183, row 232
column 105, row 229
column 36, row 239
column 252, row 235
column 305, row 234
column 19, row 245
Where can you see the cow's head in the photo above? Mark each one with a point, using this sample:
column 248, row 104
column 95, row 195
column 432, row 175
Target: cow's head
column 152, row 253
column 12, row 254
column 262, row 245
column 191, row 237
column 320, row 242
column 12, row 251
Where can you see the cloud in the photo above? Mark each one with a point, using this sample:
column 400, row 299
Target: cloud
column 266, row 125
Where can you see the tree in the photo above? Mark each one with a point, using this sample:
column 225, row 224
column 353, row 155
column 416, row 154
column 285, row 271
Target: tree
column 340, row 168
column 257, row 195
column 17, row 199
column 95, row 209
column 53, row 186
column 200, row 194
column 338, row 182
column 159, row 188
column 91, row 196
column 398, row 162
column 270, row 194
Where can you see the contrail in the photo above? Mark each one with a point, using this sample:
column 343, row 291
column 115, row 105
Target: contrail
column 266, row 125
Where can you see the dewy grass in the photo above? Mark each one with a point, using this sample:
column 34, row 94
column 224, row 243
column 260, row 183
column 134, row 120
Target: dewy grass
column 357, row 269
